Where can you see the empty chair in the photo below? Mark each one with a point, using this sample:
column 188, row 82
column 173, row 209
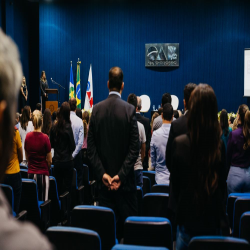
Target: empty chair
column 146, row 185
column 245, row 226
column 155, row 204
column 77, row 192
column 38, row 212
column 218, row 243
column 89, row 187
column 230, row 205
column 150, row 175
column 241, row 205
column 24, row 173
column 99, row 219
column 148, row 231
column 73, row 238
column 59, row 204
column 133, row 247
column 160, row 188
column 139, row 194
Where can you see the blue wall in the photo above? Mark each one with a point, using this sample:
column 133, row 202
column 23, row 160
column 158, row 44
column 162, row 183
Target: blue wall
column 212, row 38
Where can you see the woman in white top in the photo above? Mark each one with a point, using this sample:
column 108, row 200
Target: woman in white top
column 25, row 126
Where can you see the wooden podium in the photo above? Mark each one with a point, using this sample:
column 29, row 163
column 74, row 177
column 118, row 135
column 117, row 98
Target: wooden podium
column 51, row 105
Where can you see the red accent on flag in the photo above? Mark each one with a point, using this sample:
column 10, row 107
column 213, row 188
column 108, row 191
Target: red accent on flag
column 89, row 94
column 91, row 102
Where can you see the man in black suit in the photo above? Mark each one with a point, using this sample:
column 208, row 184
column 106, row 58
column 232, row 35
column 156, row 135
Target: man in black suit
column 146, row 123
column 113, row 148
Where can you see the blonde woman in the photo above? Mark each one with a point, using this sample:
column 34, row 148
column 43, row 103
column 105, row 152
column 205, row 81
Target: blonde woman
column 24, row 93
column 38, row 154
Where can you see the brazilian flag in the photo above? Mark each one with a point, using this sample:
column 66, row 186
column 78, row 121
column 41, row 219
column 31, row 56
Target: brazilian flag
column 78, row 86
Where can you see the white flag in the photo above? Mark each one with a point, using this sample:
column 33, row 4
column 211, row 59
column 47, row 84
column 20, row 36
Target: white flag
column 88, row 105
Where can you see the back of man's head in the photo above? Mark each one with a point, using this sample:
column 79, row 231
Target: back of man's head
column 187, row 93
column 72, row 104
column 17, row 116
column 139, row 103
column 10, row 82
column 166, row 98
column 132, row 99
column 115, row 78
column 167, row 112
column 38, row 106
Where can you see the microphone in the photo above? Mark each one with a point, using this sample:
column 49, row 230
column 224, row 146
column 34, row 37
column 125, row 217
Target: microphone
column 51, row 79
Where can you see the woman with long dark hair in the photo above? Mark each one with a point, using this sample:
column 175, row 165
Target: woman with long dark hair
column 47, row 123
column 43, row 86
column 25, row 126
column 198, row 176
column 238, row 154
column 62, row 140
column 226, row 130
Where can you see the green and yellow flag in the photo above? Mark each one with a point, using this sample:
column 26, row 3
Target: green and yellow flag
column 78, row 86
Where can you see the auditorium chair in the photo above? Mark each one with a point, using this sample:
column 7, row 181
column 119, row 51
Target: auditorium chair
column 23, row 166
column 9, row 195
column 148, row 231
column 139, row 194
column 230, row 205
column 99, row 219
column 133, row 247
column 73, row 238
column 24, row 173
column 218, row 243
column 60, row 205
column 77, row 196
column 245, row 226
column 146, row 185
column 150, row 175
column 51, row 171
column 155, row 204
column 89, row 187
column 38, row 212
column 241, row 205
column 160, row 188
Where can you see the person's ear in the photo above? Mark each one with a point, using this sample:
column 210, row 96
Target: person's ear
column 108, row 84
column 184, row 103
column 122, row 87
column 162, row 115
column 3, row 106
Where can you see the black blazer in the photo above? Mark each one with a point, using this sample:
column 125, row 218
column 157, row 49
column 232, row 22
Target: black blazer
column 113, row 141
column 178, row 127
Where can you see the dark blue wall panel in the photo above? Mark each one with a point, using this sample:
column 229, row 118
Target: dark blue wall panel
column 212, row 37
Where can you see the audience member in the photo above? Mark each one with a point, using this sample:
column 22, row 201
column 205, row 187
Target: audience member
column 198, row 167
column 113, row 141
column 12, row 173
column 146, row 123
column 13, row 235
column 158, row 146
column 25, row 126
column 17, row 120
column 166, row 98
column 62, row 140
column 160, row 110
column 238, row 152
column 77, row 127
column 47, row 123
column 156, row 114
column 138, row 167
column 79, row 113
column 54, row 116
column 226, row 130
column 180, row 113
column 39, row 107
column 176, row 114
column 231, row 121
column 38, row 154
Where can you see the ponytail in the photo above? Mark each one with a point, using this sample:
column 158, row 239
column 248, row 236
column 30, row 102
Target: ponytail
column 37, row 119
column 246, row 130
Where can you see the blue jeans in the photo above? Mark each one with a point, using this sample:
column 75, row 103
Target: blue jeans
column 238, row 180
column 139, row 177
column 15, row 181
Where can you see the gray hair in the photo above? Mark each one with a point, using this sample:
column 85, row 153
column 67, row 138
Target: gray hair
column 139, row 102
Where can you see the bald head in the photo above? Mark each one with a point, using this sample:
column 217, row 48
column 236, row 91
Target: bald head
column 115, row 79
column 138, row 103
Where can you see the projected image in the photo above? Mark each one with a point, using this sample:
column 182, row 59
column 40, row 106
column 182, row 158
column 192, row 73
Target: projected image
column 162, row 55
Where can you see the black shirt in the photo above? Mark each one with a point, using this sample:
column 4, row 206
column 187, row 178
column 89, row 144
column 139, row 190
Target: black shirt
column 63, row 143
column 43, row 85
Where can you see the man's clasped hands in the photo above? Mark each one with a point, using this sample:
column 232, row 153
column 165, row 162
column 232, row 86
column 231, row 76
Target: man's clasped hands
column 111, row 183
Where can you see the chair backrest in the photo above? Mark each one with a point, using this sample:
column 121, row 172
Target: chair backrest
column 160, row 188
column 99, row 219
column 74, row 180
column 217, row 243
column 245, row 226
column 241, row 205
column 139, row 194
column 8, row 191
column 29, row 201
column 133, row 247
column 73, row 238
column 85, row 174
column 230, row 205
column 155, row 204
column 24, row 173
column 146, row 185
column 150, row 175
column 148, row 231
column 55, row 206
